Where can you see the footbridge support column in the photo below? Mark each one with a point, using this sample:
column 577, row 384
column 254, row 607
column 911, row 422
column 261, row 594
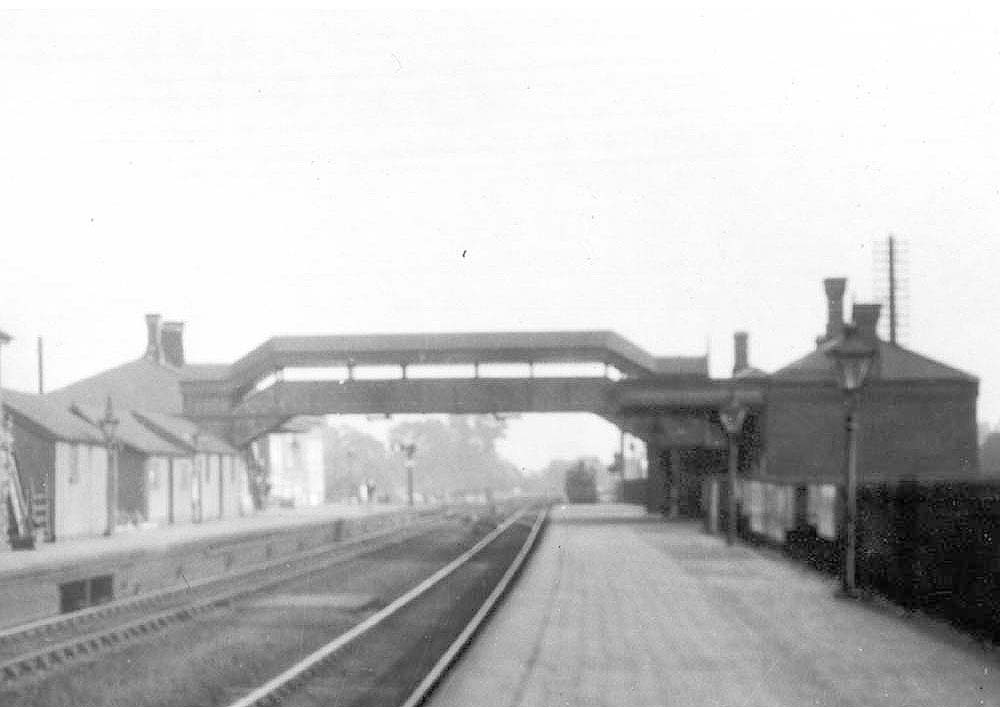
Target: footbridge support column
column 663, row 483
column 656, row 479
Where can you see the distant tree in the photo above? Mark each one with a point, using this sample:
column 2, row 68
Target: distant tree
column 457, row 454
column 351, row 458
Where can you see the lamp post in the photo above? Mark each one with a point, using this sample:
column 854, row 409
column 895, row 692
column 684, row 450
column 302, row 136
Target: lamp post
column 732, row 416
column 410, row 450
column 109, row 429
column 852, row 360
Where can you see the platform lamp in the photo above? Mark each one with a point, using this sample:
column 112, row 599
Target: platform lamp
column 852, row 360
column 732, row 416
column 109, row 429
column 410, row 450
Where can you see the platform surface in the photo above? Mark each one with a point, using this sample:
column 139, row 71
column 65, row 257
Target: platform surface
column 161, row 538
column 619, row 609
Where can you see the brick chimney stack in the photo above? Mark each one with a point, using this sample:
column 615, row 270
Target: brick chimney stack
column 741, row 356
column 172, row 341
column 866, row 320
column 834, row 287
column 154, row 338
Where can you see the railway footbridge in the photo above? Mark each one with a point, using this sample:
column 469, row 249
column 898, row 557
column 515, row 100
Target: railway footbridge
column 670, row 403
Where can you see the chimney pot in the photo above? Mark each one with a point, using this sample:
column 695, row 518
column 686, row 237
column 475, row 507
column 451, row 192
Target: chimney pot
column 172, row 341
column 154, row 340
column 865, row 318
column 835, row 287
column 741, row 358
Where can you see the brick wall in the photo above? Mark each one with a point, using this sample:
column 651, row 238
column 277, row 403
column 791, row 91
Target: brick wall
column 917, row 430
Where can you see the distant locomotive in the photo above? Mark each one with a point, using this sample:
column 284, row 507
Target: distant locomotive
column 581, row 484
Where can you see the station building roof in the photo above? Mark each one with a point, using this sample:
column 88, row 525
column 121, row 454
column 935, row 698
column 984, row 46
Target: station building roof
column 131, row 432
column 142, row 384
column 893, row 363
column 182, row 431
column 52, row 419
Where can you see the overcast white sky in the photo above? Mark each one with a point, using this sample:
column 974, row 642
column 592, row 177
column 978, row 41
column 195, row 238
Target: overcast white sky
column 672, row 176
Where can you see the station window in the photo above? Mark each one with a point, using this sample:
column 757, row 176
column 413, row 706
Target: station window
column 74, row 464
column 82, row 593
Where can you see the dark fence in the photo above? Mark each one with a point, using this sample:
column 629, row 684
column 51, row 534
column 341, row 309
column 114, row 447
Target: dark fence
column 933, row 547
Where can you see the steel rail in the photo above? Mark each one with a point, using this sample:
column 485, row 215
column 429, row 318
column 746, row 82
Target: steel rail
column 34, row 662
column 272, row 692
column 60, row 621
column 458, row 646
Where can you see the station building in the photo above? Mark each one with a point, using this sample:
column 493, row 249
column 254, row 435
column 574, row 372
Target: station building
column 217, row 484
column 57, row 470
column 918, row 416
column 917, row 422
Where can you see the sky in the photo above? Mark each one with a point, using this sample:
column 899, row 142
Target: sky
column 673, row 175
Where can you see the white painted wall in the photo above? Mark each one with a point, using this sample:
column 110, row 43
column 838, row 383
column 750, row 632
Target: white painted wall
column 81, row 477
column 183, row 478
column 245, row 498
column 157, row 488
column 235, row 486
column 210, row 487
column 297, row 467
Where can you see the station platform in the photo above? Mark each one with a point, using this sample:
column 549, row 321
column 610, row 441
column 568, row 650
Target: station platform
column 77, row 573
column 161, row 538
column 620, row 609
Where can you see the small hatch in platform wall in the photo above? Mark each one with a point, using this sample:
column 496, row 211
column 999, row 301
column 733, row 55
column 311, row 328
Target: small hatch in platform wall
column 82, row 593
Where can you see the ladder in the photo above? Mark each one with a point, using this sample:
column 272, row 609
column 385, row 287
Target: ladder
column 20, row 525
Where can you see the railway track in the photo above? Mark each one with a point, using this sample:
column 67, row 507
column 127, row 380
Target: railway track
column 35, row 649
column 399, row 654
column 376, row 623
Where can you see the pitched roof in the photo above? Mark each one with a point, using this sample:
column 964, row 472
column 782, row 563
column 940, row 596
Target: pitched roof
column 54, row 419
column 301, row 423
column 182, row 431
column 142, row 384
column 204, row 371
column 750, row 373
column 131, row 432
column 681, row 366
column 893, row 363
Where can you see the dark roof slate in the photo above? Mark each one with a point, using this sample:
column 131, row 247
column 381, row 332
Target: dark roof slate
column 131, row 432
column 682, row 366
column 750, row 373
column 204, row 371
column 895, row 363
column 54, row 419
column 182, row 430
column 142, row 384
